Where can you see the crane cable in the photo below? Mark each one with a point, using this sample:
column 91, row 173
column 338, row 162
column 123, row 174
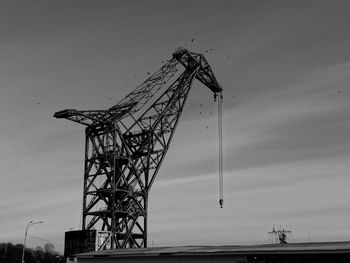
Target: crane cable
column 221, row 179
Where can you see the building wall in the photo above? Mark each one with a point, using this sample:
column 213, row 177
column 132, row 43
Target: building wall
column 292, row 258
column 168, row 259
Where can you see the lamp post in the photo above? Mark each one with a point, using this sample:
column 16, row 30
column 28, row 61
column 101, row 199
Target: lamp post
column 25, row 235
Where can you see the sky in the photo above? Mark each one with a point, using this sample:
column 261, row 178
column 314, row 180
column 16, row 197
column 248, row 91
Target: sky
column 284, row 67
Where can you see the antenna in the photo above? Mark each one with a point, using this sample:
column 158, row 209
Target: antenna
column 279, row 236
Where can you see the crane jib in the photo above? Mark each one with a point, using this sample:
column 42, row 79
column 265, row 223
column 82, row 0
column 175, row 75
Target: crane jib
column 191, row 60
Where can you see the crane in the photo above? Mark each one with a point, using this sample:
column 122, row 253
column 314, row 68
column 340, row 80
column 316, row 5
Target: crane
column 125, row 146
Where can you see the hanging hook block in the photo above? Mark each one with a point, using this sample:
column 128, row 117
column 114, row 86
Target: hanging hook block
column 221, row 203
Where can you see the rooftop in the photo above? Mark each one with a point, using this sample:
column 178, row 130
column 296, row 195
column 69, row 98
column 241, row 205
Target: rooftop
column 292, row 248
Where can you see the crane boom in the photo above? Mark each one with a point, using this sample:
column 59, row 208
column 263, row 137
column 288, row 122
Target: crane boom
column 126, row 144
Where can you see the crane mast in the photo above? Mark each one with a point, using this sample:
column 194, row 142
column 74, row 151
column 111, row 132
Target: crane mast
column 126, row 144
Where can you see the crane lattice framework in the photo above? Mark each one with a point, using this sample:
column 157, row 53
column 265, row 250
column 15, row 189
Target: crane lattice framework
column 126, row 144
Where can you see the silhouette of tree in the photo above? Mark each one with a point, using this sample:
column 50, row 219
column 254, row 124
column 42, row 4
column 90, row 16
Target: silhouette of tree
column 50, row 249
column 39, row 254
column 10, row 253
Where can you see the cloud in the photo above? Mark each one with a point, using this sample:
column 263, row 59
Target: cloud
column 285, row 71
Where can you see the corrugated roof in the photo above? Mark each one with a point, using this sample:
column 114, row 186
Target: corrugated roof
column 293, row 248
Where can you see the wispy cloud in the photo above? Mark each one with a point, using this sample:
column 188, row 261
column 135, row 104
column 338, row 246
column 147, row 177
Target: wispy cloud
column 285, row 71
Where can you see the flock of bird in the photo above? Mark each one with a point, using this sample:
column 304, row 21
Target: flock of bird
column 201, row 105
column 203, row 111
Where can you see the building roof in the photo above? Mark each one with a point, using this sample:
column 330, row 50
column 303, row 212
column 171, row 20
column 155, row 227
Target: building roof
column 291, row 248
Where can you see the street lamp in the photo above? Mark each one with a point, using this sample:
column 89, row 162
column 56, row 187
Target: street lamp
column 25, row 235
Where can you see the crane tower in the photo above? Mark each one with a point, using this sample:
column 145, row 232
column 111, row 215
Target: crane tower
column 126, row 144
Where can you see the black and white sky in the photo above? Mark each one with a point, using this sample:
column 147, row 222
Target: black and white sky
column 284, row 66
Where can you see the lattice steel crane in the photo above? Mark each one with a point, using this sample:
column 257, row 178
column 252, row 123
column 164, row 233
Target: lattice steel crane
column 126, row 144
